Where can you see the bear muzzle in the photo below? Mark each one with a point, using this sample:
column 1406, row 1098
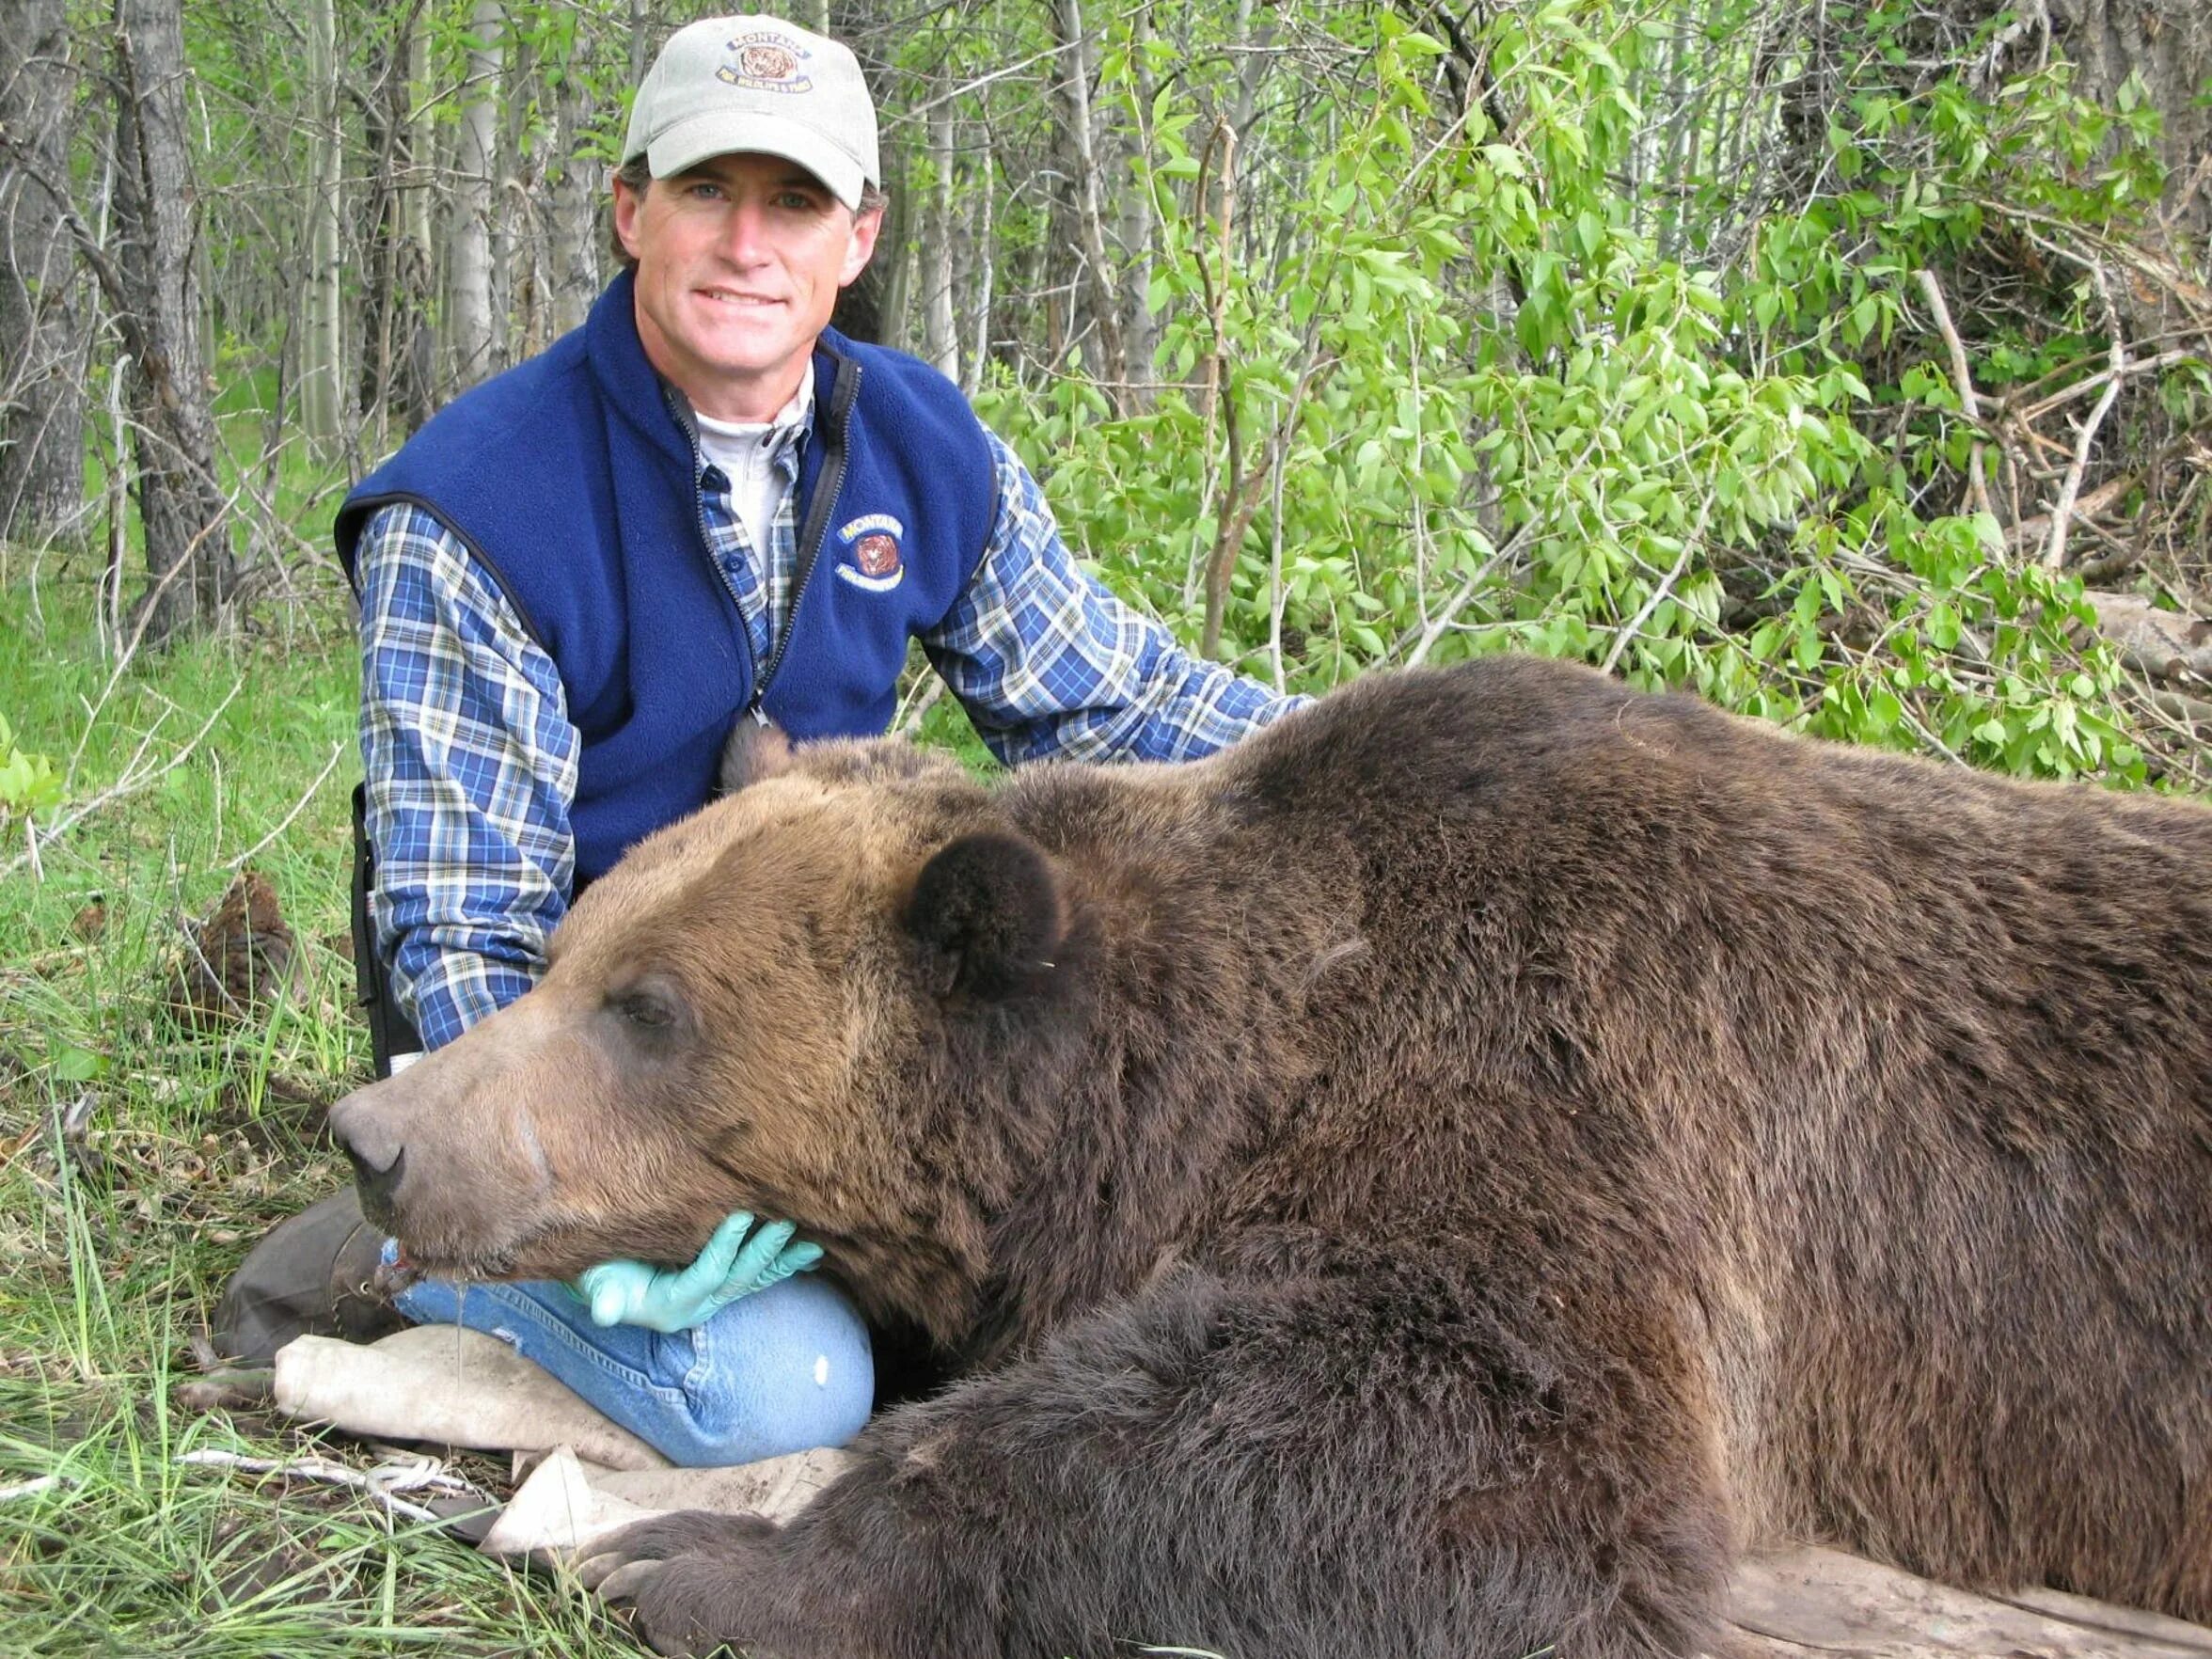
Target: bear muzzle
column 447, row 1163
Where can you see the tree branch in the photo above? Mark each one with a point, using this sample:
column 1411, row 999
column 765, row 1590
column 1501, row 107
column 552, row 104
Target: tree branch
column 1963, row 379
column 2054, row 554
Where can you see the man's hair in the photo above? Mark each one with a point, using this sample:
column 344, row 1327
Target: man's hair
column 637, row 173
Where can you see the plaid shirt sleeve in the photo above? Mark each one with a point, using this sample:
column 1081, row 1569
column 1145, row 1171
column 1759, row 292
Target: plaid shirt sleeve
column 471, row 764
column 1047, row 662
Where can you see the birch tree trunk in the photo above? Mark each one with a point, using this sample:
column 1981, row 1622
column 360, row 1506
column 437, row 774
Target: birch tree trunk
column 415, row 342
column 518, row 246
column 574, row 214
column 385, row 129
column 979, row 280
column 189, row 565
column 940, row 344
column 395, row 327
column 42, row 368
column 321, row 361
column 893, row 265
column 469, row 241
column 1135, row 222
column 1104, row 303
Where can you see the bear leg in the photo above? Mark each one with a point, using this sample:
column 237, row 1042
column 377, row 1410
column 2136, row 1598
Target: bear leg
column 1346, row 1464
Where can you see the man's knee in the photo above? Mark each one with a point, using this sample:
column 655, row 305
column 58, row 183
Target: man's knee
column 785, row 1370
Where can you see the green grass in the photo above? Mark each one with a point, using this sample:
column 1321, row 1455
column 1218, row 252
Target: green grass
column 118, row 1237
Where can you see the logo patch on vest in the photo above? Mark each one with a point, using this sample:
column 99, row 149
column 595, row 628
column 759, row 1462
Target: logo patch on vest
column 869, row 557
column 765, row 62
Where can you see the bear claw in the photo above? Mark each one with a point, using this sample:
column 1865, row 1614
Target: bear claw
column 628, row 1580
column 680, row 1576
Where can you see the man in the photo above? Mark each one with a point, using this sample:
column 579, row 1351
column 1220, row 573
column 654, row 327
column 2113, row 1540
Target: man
column 705, row 506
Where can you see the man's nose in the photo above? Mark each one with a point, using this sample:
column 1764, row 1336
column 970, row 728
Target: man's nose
column 745, row 233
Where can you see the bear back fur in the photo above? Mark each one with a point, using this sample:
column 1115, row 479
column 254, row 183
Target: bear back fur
column 1870, row 1102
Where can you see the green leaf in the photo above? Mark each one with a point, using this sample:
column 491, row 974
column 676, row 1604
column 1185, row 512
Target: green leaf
column 74, row 1065
column 1942, row 626
column 1589, row 230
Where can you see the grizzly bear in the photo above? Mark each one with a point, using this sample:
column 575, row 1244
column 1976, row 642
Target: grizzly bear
column 1439, row 1179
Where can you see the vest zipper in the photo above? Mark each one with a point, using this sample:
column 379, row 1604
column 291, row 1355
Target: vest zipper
column 681, row 408
column 844, row 389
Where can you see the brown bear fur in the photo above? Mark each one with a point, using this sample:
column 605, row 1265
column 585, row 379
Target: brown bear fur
column 1436, row 1179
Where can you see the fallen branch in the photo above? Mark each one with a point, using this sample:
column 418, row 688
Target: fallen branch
column 32, row 1488
column 128, row 784
column 2159, row 645
column 2088, row 506
column 917, row 702
column 2083, row 386
column 2179, row 705
column 299, row 806
column 379, row 1484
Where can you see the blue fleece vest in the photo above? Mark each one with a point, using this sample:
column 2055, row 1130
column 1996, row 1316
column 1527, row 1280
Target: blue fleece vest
column 574, row 480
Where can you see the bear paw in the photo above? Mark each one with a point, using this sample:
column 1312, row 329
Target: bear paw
column 683, row 1577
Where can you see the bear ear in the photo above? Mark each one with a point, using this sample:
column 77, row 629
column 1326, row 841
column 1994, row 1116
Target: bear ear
column 987, row 913
column 754, row 751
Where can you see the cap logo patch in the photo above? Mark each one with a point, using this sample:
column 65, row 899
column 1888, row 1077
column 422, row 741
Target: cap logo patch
column 872, row 560
column 766, row 62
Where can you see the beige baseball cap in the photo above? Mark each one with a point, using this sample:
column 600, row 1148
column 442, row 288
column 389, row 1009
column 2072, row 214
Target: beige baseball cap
column 729, row 84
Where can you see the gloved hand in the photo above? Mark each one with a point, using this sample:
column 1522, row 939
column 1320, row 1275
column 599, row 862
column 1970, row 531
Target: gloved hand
column 677, row 1299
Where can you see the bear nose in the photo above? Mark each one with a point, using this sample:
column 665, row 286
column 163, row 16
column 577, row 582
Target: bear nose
column 377, row 1186
column 378, row 1157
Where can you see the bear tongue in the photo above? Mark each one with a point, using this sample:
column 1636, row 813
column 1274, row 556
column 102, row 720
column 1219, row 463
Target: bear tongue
column 392, row 1278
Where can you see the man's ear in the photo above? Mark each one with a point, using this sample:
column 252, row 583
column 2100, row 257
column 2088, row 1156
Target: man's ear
column 862, row 247
column 754, row 751
column 628, row 204
column 987, row 915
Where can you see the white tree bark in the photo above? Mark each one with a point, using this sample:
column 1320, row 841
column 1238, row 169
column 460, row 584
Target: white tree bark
column 979, row 282
column 519, row 252
column 421, row 142
column 322, row 371
column 941, row 344
column 1135, row 220
column 472, row 347
column 1104, row 302
column 574, row 215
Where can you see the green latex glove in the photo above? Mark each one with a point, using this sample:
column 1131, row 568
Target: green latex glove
column 677, row 1299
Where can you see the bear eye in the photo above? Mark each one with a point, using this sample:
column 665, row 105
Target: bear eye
column 650, row 1009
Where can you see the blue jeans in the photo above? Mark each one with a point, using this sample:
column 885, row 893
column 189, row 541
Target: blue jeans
column 786, row 1369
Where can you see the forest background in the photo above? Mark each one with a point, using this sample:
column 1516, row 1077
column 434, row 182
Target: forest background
column 1847, row 361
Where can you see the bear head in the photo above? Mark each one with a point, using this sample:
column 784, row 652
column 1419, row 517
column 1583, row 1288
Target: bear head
column 768, row 1005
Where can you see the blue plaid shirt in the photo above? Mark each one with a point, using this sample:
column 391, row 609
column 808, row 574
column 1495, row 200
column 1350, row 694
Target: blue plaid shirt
column 471, row 760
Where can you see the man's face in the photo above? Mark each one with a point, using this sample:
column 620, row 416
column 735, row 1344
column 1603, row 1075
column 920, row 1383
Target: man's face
column 739, row 262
